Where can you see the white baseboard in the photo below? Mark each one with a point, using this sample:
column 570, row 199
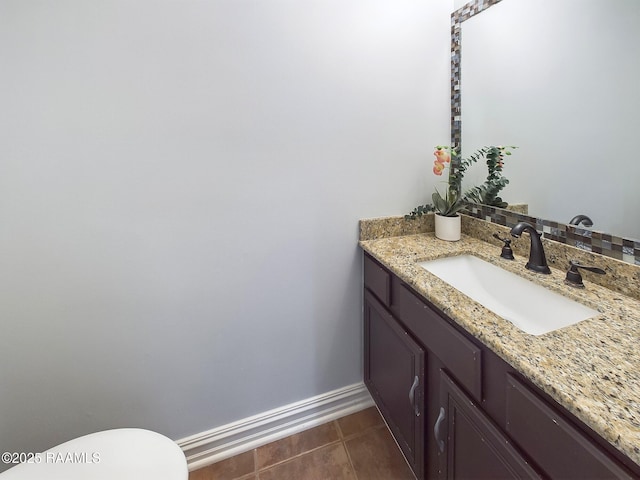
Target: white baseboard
column 208, row 447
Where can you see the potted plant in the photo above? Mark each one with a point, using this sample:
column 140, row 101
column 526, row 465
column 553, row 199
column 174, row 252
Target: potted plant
column 447, row 207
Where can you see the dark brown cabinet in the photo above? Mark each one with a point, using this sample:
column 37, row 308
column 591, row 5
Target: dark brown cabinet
column 543, row 432
column 394, row 374
column 456, row 409
column 469, row 444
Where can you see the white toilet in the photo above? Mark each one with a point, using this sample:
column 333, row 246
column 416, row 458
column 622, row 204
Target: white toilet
column 120, row 454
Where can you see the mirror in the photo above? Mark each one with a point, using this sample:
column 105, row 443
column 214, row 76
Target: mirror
column 558, row 79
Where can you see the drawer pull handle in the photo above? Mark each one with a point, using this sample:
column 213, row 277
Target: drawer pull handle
column 412, row 395
column 436, row 430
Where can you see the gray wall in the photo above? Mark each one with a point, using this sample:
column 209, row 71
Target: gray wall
column 180, row 185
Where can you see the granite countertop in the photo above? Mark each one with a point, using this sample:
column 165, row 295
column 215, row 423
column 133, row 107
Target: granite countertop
column 592, row 368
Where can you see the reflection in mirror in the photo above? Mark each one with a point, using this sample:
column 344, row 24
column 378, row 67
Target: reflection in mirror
column 558, row 79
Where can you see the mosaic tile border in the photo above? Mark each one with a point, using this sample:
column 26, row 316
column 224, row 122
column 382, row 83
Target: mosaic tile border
column 588, row 240
column 609, row 245
column 466, row 12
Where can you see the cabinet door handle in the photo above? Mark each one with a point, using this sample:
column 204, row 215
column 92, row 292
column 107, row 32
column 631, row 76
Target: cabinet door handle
column 436, row 430
column 412, row 396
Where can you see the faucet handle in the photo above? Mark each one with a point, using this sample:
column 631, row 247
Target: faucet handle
column 574, row 278
column 507, row 252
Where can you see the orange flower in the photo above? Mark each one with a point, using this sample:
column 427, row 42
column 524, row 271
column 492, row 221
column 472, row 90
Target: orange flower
column 442, row 155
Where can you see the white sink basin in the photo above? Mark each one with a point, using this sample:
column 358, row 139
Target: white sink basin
column 529, row 306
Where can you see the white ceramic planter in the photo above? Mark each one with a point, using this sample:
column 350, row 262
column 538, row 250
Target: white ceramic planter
column 448, row 228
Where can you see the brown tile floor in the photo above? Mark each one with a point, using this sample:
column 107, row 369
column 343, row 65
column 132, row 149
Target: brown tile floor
column 355, row 447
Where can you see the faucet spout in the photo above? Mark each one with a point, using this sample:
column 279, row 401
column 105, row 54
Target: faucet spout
column 537, row 259
column 586, row 221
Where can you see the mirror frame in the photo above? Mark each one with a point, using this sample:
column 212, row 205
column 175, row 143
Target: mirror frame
column 624, row 249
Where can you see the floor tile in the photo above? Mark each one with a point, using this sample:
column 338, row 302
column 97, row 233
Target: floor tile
column 202, row 474
column 296, row 444
column 359, row 421
column 326, row 463
column 375, row 456
column 230, row 469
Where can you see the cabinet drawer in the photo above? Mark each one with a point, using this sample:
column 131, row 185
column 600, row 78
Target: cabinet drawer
column 558, row 447
column 462, row 357
column 377, row 279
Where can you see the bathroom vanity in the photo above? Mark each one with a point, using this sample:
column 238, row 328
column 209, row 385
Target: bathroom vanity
column 467, row 394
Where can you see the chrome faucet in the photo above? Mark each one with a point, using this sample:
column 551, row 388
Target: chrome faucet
column 537, row 260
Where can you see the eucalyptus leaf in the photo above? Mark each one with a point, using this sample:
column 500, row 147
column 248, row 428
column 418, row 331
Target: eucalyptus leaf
column 487, row 193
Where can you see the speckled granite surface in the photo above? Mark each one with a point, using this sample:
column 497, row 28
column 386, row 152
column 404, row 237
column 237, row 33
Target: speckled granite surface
column 620, row 276
column 591, row 368
column 372, row 228
column 519, row 207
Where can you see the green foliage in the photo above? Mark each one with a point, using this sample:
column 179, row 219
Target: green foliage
column 419, row 211
column 486, row 194
column 449, row 205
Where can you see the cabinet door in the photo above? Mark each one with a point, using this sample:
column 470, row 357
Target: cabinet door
column 394, row 374
column 552, row 442
column 462, row 357
column 469, row 444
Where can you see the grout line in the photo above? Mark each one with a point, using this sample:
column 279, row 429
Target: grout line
column 353, row 468
column 337, row 425
column 255, row 461
column 267, row 467
column 364, row 431
column 361, row 433
column 344, row 445
column 342, row 439
column 404, row 457
column 248, row 476
column 339, row 439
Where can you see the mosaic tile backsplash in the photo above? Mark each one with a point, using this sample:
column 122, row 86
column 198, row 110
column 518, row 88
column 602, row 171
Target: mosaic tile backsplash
column 589, row 240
